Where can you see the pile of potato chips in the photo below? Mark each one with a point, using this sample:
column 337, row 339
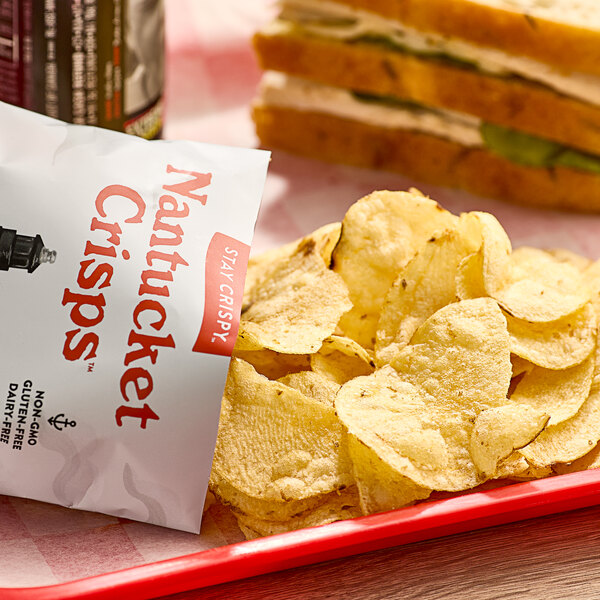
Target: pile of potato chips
column 404, row 351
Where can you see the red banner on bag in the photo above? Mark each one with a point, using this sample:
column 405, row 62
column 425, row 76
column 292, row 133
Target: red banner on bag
column 226, row 262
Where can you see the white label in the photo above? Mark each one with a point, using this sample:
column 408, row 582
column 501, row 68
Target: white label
column 111, row 370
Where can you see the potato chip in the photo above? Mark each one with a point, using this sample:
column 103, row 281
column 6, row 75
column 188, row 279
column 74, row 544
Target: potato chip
column 511, row 466
column 380, row 234
column 469, row 277
column 296, row 308
column 340, row 359
column 573, row 438
column 264, row 265
column 592, row 277
column 273, row 510
column 591, row 460
column 581, row 263
column 209, row 501
column 313, row 385
column 500, row 430
column 532, row 473
column 557, row 344
column 426, row 284
column 391, row 417
column 559, row 394
column 529, row 284
column 274, row 443
column 460, row 356
column 520, row 366
column 335, row 506
column 539, row 287
column 496, row 250
column 360, row 327
column 380, row 487
column 274, row 365
column 488, row 368
column 419, row 419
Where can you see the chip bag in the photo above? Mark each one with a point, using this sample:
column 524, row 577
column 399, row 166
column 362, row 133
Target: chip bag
column 122, row 267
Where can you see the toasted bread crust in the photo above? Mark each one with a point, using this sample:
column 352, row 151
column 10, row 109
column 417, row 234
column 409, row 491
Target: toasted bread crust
column 511, row 102
column 566, row 46
column 425, row 157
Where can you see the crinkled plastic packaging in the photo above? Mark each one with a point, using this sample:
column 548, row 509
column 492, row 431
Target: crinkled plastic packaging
column 122, row 266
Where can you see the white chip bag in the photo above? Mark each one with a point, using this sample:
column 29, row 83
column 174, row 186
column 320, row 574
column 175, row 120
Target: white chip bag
column 122, row 266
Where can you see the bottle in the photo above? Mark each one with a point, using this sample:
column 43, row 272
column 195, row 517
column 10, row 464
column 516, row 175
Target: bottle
column 92, row 62
column 23, row 251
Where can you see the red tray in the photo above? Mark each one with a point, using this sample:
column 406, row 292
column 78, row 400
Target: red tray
column 344, row 538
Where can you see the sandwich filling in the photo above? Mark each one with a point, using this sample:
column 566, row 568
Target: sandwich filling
column 330, row 20
column 280, row 90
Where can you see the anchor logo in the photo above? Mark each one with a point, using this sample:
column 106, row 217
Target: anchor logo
column 60, row 422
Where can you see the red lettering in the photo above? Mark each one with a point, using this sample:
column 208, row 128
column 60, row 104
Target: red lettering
column 87, row 282
column 81, row 300
column 121, row 191
column 88, row 340
column 175, row 230
column 150, row 305
column 136, row 375
column 146, row 343
column 143, row 414
column 112, row 228
column 146, row 288
column 174, row 211
column 185, row 188
column 174, row 259
column 99, row 250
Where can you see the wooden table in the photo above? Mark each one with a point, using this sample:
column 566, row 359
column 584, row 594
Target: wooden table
column 549, row 558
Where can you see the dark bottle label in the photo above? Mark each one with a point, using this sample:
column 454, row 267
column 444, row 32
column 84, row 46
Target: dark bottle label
column 92, row 62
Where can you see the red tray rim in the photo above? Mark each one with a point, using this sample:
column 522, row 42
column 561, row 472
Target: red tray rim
column 423, row 521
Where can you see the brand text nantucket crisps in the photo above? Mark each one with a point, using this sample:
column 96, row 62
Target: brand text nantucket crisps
column 122, row 266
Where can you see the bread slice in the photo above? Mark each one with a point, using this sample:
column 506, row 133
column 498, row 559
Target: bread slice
column 563, row 33
column 425, row 157
column 512, row 102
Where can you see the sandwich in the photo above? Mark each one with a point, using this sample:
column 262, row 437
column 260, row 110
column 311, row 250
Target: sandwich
column 497, row 97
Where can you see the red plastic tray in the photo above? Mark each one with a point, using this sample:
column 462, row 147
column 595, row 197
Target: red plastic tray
column 344, row 538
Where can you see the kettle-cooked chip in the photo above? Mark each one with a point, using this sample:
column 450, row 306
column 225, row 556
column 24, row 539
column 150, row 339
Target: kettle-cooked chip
column 529, row 284
column 414, row 353
column 460, row 356
column 591, row 460
column 271, row 510
column 539, row 287
column 380, row 487
column 560, row 394
column 500, row 430
column 335, row 506
column 274, row 365
column 592, row 277
column 573, row 438
column 469, row 277
column 262, row 266
column 296, row 308
column 557, row 344
column 418, row 418
column 392, row 417
column 581, row 263
column 340, row 359
column 426, row 284
column 380, row 234
column 313, row 385
column 276, row 444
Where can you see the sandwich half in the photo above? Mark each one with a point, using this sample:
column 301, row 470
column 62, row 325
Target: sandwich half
column 498, row 97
